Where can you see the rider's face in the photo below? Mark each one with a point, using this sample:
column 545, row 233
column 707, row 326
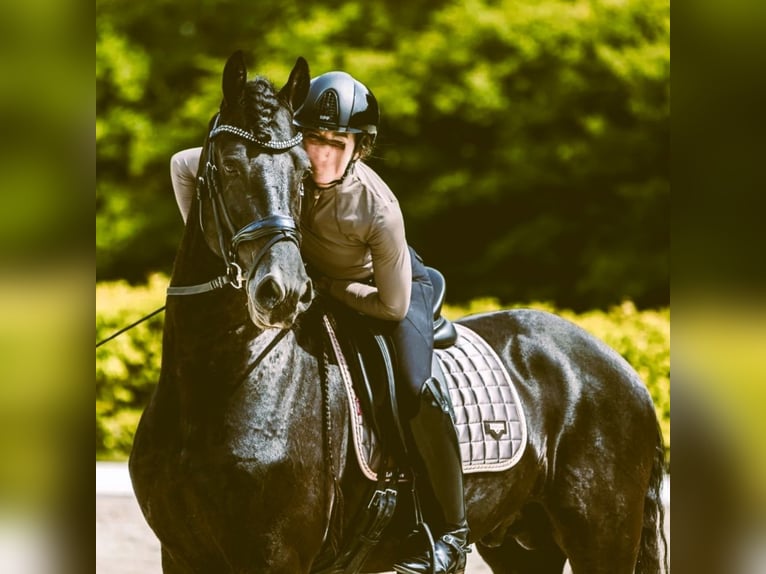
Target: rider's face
column 329, row 153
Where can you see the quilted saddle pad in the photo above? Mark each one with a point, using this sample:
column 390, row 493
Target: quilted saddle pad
column 489, row 419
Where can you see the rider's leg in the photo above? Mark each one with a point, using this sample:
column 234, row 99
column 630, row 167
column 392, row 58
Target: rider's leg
column 433, row 432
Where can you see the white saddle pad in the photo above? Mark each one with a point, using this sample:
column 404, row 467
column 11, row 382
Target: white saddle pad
column 490, row 423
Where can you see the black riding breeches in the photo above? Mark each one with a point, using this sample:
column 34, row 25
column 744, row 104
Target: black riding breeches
column 413, row 340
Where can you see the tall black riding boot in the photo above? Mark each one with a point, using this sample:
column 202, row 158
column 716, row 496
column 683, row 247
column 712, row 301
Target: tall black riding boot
column 436, row 440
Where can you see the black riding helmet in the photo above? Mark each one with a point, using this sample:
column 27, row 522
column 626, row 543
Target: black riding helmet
column 337, row 102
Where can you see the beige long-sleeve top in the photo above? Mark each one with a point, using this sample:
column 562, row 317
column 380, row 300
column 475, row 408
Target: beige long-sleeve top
column 352, row 232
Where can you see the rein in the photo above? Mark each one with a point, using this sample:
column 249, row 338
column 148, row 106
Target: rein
column 274, row 227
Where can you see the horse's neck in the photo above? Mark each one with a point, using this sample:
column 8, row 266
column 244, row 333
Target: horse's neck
column 199, row 323
column 195, row 262
column 207, row 373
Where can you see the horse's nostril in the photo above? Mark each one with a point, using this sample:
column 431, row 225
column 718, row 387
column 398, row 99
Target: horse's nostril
column 308, row 293
column 269, row 293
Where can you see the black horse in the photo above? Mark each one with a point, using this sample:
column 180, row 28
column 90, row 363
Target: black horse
column 242, row 460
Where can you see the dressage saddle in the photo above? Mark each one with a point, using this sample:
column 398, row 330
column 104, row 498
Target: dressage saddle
column 370, row 355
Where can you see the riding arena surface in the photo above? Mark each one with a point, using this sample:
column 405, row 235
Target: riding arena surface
column 126, row 545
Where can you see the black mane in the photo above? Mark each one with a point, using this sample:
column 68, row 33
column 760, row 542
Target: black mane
column 260, row 105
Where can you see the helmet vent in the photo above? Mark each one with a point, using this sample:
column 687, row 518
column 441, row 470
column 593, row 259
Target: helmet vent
column 328, row 107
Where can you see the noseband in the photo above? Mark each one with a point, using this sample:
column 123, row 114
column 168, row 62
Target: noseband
column 274, row 227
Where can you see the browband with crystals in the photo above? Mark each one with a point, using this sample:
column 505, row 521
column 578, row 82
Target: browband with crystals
column 273, row 145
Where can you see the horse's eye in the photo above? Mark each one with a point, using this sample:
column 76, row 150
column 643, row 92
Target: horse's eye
column 230, row 168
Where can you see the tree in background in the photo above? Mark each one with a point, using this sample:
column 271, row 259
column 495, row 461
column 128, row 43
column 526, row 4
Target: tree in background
column 528, row 141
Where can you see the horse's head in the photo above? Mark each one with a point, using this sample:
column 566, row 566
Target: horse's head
column 251, row 172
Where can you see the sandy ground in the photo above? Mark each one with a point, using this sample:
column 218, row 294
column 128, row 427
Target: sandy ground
column 126, row 545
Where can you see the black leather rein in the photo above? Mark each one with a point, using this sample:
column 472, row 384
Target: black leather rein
column 275, row 227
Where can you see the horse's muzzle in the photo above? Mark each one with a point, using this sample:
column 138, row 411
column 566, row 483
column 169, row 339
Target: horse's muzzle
column 276, row 300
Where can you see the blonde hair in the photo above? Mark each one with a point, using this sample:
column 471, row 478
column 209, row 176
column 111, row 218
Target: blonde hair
column 364, row 145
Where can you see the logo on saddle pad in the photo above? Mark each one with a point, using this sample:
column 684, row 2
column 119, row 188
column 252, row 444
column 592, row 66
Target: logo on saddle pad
column 495, row 429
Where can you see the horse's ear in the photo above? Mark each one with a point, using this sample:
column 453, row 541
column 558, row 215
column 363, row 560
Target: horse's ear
column 296, row 89
column 234, row 78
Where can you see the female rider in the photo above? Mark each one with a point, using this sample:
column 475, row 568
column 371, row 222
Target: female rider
column 354, row 242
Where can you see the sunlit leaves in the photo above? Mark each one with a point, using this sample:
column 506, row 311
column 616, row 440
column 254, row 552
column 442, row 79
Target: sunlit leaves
column 121, row 67
column 498, row 118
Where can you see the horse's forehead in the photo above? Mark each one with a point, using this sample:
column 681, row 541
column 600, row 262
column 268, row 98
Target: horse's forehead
column 255, row 155
column 273, row 169
column 267, row 179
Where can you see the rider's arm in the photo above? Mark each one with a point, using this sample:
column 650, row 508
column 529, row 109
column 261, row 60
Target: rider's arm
column 183, row 174
column 389, row 299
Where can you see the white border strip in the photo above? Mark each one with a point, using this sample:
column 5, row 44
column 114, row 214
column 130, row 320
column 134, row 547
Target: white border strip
column 113, row 479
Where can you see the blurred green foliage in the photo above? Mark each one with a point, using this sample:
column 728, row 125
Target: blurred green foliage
column 528, row 141
column 128, row 367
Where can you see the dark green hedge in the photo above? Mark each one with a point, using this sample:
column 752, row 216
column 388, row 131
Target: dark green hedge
column 128, row 367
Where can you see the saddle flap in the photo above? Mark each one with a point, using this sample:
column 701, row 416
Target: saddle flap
column 368, row 357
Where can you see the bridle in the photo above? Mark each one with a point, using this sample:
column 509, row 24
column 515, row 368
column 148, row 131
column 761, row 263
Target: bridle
column 274, row 227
